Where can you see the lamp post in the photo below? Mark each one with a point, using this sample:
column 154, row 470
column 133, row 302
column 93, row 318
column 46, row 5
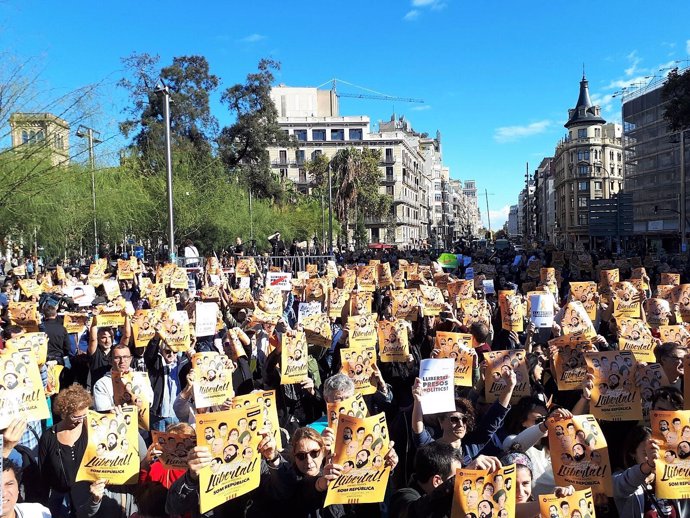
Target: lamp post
column 163, row 91
column 92, row 137
column 330, row 211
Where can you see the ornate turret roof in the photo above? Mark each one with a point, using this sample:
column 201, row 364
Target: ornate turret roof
column 584, row 113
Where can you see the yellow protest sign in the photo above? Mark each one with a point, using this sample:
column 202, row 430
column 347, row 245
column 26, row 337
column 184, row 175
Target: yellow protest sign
column 316, row 290
column 670, row 278
column 569, row 361
column 634, row 335
column 174, row 448
column 212, row 379
column 357, row 361
column 125, row 271
column 178, row 279
column 75, row 322
column 406, row 304
column 37, row 342
column 366, row 277
column 112, row 452
column 512, row 312
column 354, row 406
column 175, row 332
column 144, row 326
column 627, row 300
column 114, row 319
column 132, row 388
column 393, row 341
column 242, row 298
column 24, row 314
column 579, row 454
column 580, row 504
column 362, row 329
column 480, row 493
column 576, row 321
column 317, row 329
column 53, row 383
column 361, row 302
column 236, row 466
column 615, row 397
column 360, row 447
column 270, row 301
column 658, row 312
column 336, row 302
column 683, row 297
column 266, row 401
column 459, row 347
column 385, row 276
column 21, row 390
column 30, row 288
column 499, row 362
column 293, row 358
column 586, row 293
column 473, row 310
column 432, row 300
column 676, row 333
column 649, row 378
column 671, row 431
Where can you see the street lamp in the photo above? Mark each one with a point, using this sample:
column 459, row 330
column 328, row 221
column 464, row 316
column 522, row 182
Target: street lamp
column 163, row 90
column 92, row 137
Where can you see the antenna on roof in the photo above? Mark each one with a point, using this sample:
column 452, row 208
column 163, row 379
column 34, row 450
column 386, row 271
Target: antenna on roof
column 583, row 70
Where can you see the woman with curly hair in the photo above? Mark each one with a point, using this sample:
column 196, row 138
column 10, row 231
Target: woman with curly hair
column 62, row 447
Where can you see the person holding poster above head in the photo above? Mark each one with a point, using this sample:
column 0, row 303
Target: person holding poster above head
column 101, row 341
column 458, row 428
column 635, row 488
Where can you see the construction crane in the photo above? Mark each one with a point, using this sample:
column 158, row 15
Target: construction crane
column 372, row 95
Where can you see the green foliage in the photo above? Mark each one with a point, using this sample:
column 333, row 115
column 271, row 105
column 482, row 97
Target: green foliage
column 676, row 91
column 243, row 147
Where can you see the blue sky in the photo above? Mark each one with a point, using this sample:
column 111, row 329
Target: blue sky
column 497, row 76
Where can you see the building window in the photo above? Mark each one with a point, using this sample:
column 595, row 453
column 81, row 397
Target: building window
column 613, row 185
column 301, row 135
column 299, row 156
column 337, row 134
column 302, row 175
column 582, row 133
column 355, row 134
column 620, row 157
column 583, row 154
column 390, row 190
column 25, row 137
column 611, row 156
column 389, row 174
column 283, row 156
column 283, row 173
column 582, row 219
column 572, row 202
column 437, row 186
column 318, row 134
column 583, row 170
column 437, row 197
column 582, row 202
column 597, row 186
column 583, row 186
column 597, row 132
column 59, row 141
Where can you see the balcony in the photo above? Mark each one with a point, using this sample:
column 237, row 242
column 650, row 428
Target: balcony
column 388, row 160
column 281, row 162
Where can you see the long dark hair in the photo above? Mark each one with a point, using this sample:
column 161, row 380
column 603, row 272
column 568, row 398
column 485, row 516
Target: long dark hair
column 519, row 412
column 636, row 436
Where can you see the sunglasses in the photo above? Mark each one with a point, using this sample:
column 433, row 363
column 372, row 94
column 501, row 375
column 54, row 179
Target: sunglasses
column 455, row 420
column 302, row 455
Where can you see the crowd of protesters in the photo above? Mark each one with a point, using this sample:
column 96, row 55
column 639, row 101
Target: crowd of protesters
column 41, row 458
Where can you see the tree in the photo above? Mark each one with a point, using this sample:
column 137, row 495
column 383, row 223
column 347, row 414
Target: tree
column 676, row 94
column 355, row 179
column 243, row 147
column 192, row 126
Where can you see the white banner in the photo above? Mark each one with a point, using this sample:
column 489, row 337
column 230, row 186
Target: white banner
column 438, row 388
column 279, row 280
column 541, row 310
column 206, row 315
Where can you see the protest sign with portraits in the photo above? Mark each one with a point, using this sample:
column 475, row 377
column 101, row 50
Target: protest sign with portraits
column 626, row 302
column 671, row 431
column 174, row 330
column 658, row 312
column 212, row 379
column 361, row 302
column 174, row 448
column 362, row 329
column 125, row 272
column 432, row 300
column 337, row 300
column 578, row 505
column 385, row 276
column 615, row 396
column 37, row 342
column 21, row 389
column 75, row 323
column 317, row 328
column 267, row 421
column 499, row 363
column 474, row 310
column 316, row 290
column 649, row 378
column 270, row 301
column 242, row 298
column 236, row 466
column 366, row 277
column 484, row 493
column 24, row 314
column 354, row 406
column 393, row 341
column 675, row 333
column 586, row 293
column 360, row 447
column 133, row 388
column 112, row 452
column 576, row 321
column 357, row 363
column 406, row 304
column 683, row 298
column 54, row 369
column 579, row 454
column 670, row 278
column 634, row 335
column 569, row 361
column 144, row 326
column 457, row 346
column 30, row 288
column 293, row 358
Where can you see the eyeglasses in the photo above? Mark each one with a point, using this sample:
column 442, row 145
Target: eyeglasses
column 676, row 358
column 77, row 418
column 168, row 351
column 455, row 420
column 121, row 358
column 302, row 455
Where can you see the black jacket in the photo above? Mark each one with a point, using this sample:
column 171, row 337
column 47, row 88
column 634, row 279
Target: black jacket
column 58, row 340
column 413, row 502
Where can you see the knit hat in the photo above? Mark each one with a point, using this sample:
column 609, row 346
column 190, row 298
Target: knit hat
column 517, row 458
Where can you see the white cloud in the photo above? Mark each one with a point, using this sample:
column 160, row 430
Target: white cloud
column 434, row 4
column 411, row 15
column 498, row 217
column 253, row 38
column 421, row 108
column 512, row 133
column 634, row 61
